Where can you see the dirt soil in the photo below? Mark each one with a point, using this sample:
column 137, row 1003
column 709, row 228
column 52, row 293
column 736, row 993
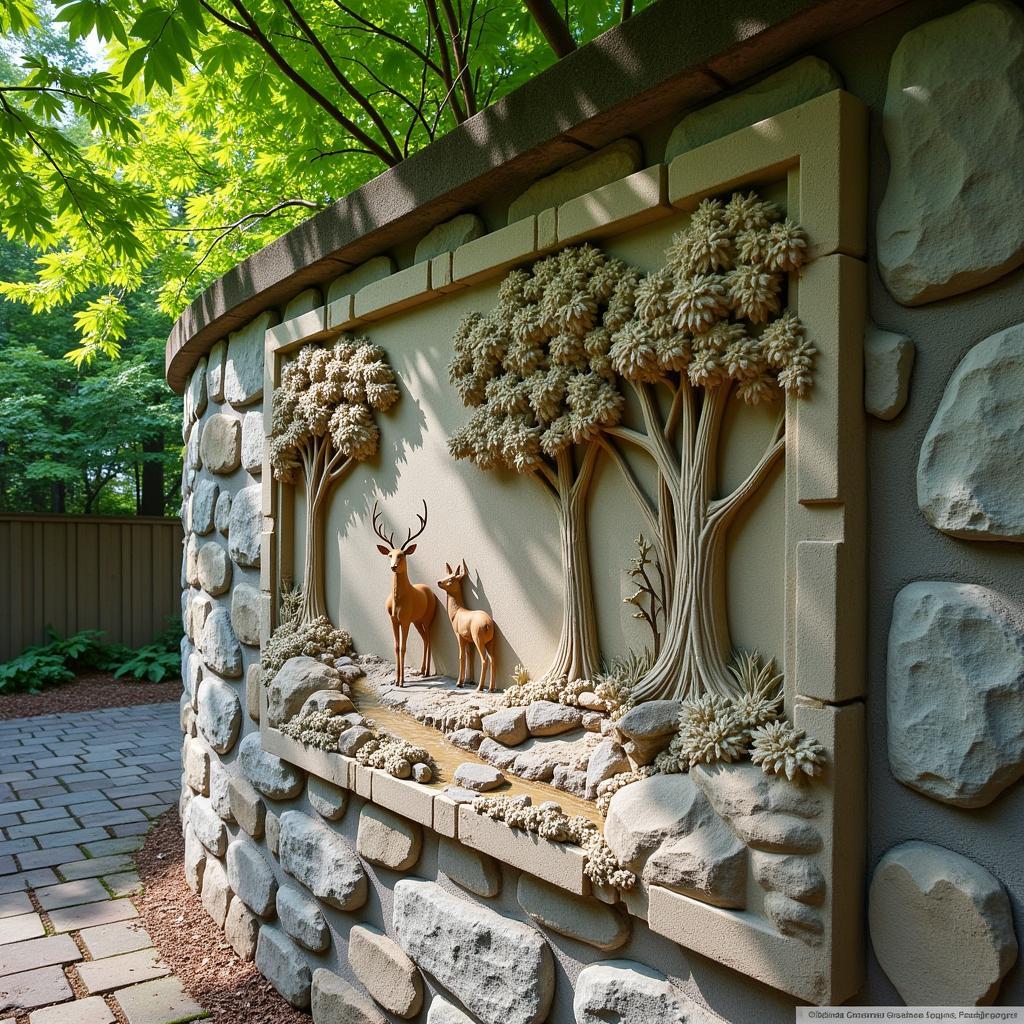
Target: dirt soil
column 88, row 692
column 194, row 947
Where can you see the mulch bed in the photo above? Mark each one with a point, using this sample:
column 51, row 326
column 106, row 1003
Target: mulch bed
column 90, row 691
column 194, row 947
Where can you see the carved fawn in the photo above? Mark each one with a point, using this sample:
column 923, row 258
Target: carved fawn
column 409, row 604
column 474, row 628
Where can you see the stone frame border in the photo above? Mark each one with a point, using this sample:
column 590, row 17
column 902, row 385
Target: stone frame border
column 820, row 150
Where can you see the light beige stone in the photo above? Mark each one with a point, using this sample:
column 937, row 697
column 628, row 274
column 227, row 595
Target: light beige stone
column 328, row 800
column 584, row 175
column 221, row 444
column 506, row 726
column 252, row 442
column 390, row 294
column 220, row 799
column 215, row 371
column 964, row 485
column 191, row 561
column 616, row 207
column 220, row 714
column 241, row 929
column 280, row 961
column 201, row 506
column 888, row 361
column 955, row 692
column 319, row 858
column 251, row 877
column 197, row 390
column 447, row 237
column 502, row 970
column 243, row 367
column 253, row 686
column 217, row 892
column 443, row 1012
column 208, row 826
column 245, row 613
column 214, row 569
column 585, row 920
column 357, row 278
column 222, row 513
column 272, row 776
column 195, row 859
column 943, row 227
column 385, row 971
column 632, row 993
column 495, row 252
column 795, row 84
column 296, row 680
column 335, row 1001
column 196, row 763
column 472, row 870
column 387, row 839
column 302, row 919
column 247, row 806
column 245, row 526
column 941, row 926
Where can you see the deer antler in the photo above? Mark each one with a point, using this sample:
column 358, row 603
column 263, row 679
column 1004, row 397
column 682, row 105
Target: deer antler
column 423, row 525
column 390, row 541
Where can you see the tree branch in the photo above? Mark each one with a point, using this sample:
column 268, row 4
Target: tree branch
column 724, row 508
column 552, row 26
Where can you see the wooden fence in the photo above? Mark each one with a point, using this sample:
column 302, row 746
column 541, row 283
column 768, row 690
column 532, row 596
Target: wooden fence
column 117, row 574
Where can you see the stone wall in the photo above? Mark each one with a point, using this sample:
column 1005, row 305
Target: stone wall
column 363, row 914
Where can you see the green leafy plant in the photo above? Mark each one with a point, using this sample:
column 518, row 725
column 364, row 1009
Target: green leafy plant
column 32, row 670
column 152, row 662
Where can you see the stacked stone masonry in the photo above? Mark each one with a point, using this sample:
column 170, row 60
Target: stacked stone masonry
column 359, row 897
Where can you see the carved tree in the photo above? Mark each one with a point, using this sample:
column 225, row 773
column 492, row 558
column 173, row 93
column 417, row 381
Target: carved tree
column 537, row 372
column 323, row 424
column 708, row 325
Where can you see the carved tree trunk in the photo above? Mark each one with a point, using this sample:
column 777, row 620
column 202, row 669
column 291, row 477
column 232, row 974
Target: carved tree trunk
column 578, row 655
column 314, row 604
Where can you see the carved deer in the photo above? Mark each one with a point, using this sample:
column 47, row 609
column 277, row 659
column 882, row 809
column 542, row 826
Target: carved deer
column 408, row 604
column 472, row 628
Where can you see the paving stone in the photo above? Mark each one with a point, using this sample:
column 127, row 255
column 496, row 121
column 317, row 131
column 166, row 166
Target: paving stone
column 49, row 858
column 14, row 904
column 123, row 884
column 72, row 919
column 78, row 838
column 27, row 880
column 106, row 847
column 21, row 927
column 18, row 957
column 116, row 938
column 93, row 1010
column 158, row 1002
column 40, row 987
column 95, row 867
column 118, row 971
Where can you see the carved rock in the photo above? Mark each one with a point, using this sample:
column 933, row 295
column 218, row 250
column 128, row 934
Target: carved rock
column 252, row 442
column 631, row 993
column 220, row 648
column 474, row 871
column 955, row 692
column 942, row 223
column 649, row 727
column 388, row 839
column 333, row 701
column 793, row 918
column 443, row 1012
column 499, row 756
column 479, row 777
column 799, row 878
column 546, row 718
column 302, row 919
column 608, row 759
column 507, row 726
column 242, row 929
column 941, row 926
column 467, row 739
column 322, row 861
column 385, row 971
column 201, row 508
column 243, row 368
column 500, row 969
column 245, row 613
column 250, row 877
column 220, row 714
column 578, row 178
column 963, row 486
column 569, row 780
column 888, row 360
column 281, row 962
column 708, row 864
column 359, row 277
column 645, row 814
column 221, row 444
column 447, row 237
column 328, row 800
column 354, row 739
column 577, row 917
column 273, row 777
column 245, row 527
column 335, row 1001
column 296, row 680
column 799, row 82
column 247, row 806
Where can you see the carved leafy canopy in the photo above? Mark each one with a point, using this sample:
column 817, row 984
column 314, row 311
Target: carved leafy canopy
column 330, row 392
column 708, row 312
column 536, row 367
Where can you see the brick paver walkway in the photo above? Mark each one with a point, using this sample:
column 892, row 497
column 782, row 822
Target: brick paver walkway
column 77, row 793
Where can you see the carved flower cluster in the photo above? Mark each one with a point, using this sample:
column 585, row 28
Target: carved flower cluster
column 561, row 691
column 394, row 755
column 549, row 821
column 607, row 789
column 781, row 749
column 536, row 367
column 315, row 639
column 330, row 390
column 713, row 311
column 316, row 729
